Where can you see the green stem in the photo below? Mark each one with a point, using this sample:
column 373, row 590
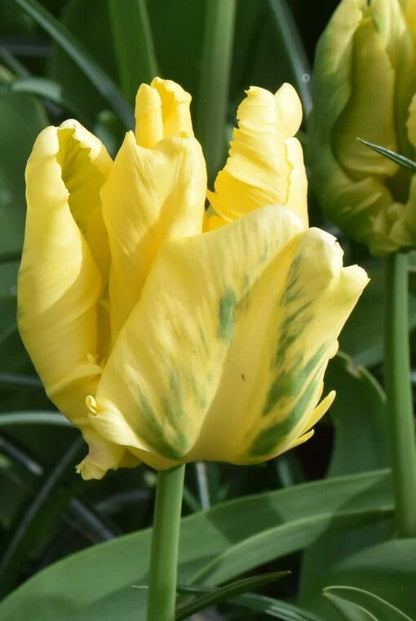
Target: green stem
column 399, row 395
column 214, row 84
column 165, row 541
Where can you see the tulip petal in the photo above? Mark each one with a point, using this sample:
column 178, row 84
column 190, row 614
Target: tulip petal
column 168, row 360
column 151, row 195
column 102, row 456
column 59, row 282
column 85, row 165
column 60, row 285
column 162, row 111
column 281, row 345
column 265, row 164
column 371, row 73
column 411, row 121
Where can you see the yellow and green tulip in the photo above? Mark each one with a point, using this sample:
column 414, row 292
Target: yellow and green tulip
column 167, row 334
column 365, row 86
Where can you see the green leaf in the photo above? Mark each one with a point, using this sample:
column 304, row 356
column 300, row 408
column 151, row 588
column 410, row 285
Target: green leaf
column 351, row 612
column 133, row 45
column 89, row 23
column 210, row 597
column 359, row 417
column 386, row 569
column 98, row 581
column 38, row 510
column 33, row 418
column 351, row 602
column 391, row 155
column 11, row 62
column 275, row 608
column 21, row 119
column 17, row 379
column 50, row 90
column 80, row 55
column 13, row 357
column 178, row 29
column 361, row 443
column 362, row 336
column 291, row 42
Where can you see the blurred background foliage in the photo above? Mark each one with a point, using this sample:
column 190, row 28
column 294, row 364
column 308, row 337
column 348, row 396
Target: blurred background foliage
column 71, row 58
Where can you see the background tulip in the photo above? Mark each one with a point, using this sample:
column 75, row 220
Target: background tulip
column 364, row 85
column 164, row 343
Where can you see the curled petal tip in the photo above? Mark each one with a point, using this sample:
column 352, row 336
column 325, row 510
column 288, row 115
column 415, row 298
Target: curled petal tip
column 162, row 111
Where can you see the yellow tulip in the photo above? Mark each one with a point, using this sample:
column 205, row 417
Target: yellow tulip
column 365, row 86
column 162, row 340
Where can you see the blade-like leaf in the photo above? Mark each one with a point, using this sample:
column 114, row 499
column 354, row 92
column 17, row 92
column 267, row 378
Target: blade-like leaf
column 350, row 611
column 21, row 118
column 363, row 339
column 16, row 379
column 33, row 418
column 10, row 256
column 347, row 599
column 295, row 51
column 12, row 62
column 21, row 540
column 275, row 608
column 391, row 155
column 359, row 406
column 387, row 570
column 210, row 597
column 278, row 541
column 66, row 590
column 50, row 90
column 133, row 44
column 81, row 57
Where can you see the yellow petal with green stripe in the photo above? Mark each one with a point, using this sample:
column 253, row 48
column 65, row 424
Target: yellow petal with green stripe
column 265, row 164
column 283, row 337
column 151, row 195
column 228, row 336
column 167, row 362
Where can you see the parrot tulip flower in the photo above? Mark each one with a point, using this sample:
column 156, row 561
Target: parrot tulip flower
column 169, row 335
column 365, row 86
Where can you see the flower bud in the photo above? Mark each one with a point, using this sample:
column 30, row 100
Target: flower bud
column 364, row 86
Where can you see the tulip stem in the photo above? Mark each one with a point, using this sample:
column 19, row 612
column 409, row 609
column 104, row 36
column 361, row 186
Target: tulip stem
column 164, row 547
column 399, row 394
column 214, row 81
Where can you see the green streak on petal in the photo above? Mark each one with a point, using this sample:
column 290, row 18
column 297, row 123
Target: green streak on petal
column 227, row 305
column 290, row 381
column 291, row 326
column 201, row 398
column 267, row 440
column 176, row 385
column 155, row 434
column 292, row 292
column 203, row 338
column 269, row 437
column 285, row 386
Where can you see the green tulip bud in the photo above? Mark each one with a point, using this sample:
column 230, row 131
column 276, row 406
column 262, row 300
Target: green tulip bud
column 365, row 87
